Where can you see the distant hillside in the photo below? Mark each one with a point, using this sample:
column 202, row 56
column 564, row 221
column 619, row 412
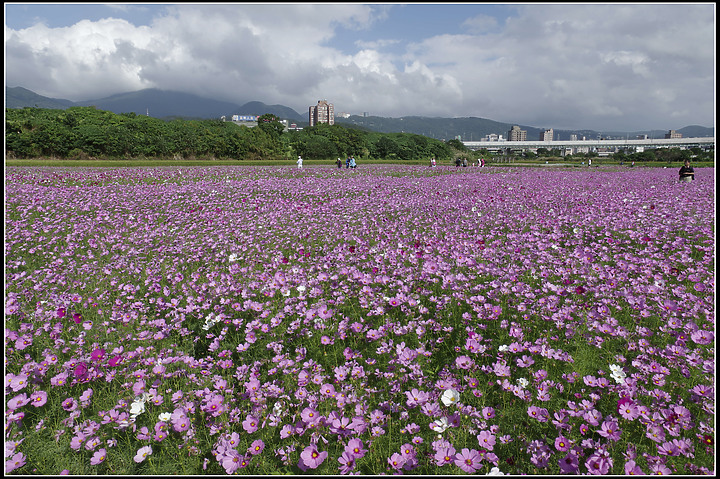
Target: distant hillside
column 19, row 97
column 469, row 129
column 169, row 104
column 694, row 131
column 259, row 108
column 161, row 104
column 475, row 129
column 156, row 103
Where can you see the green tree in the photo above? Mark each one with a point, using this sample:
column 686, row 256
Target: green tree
column 271, row 125
column 457, row 145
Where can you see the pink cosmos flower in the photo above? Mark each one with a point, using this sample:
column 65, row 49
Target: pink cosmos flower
column 632, row 469
column 562, row 444
column 18, row 401
column 180, row 421
column 310, row 416
column 69, row 404
column 468, row 460
column 397, row 461
column 18, row 382
column 142, row 453
column 660, row 469
column 444, row 455
column 256, row 447
column 347, row 462
column 610, row 430
column 355, row 448
column 311, row 457
column 569, row 464
column 231, row 461
column 38, row 398
column 18, row 460
column 629, row 411
column 98, row 457
column 598, row 464
column 486, row 440
column 250, row 424
column 702, row 337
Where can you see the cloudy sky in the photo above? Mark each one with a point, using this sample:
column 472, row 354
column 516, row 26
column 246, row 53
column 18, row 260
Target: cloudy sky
column 621, row 67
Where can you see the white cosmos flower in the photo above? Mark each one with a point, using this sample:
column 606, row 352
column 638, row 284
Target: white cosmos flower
column 522, row 382
column 137, row 408
column 450, row 397
column 440, row 425
column 301, row 288
column 617, row 373
column 164, row 416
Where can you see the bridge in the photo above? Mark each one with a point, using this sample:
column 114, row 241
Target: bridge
column 594, row 145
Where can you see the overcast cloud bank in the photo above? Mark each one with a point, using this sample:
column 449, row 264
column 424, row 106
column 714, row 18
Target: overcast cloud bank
column 603, row 67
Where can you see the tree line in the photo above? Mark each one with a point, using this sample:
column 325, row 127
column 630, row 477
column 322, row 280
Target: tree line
column 85, row 132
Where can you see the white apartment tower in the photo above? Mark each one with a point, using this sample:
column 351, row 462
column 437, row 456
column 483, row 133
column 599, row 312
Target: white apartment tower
column 323, row 112
column 546, row 135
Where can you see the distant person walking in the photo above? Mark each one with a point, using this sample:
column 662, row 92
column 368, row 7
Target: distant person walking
column 432, row 162
column 464, row 163
column 687, row 173
column 458, row 162
column 339, row 163
column 347, row 162
column 299, row 162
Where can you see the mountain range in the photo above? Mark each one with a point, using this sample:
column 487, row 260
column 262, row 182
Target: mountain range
column 170, row 105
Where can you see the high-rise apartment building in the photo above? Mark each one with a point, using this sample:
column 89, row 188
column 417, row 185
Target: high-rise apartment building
column 323, row 112
column 516, row 134
column 546, row 135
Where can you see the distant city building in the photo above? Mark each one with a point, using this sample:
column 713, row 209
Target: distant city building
column 641, row 137
column 516, row 134
column 546, row 135
column 323, row 112
column 672, row 134
column 244, row 118
column 343, row 114
column 573, row 137
column 252, row 121
column 494, row 137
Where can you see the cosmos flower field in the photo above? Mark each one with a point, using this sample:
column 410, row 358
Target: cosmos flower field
column 389, row 319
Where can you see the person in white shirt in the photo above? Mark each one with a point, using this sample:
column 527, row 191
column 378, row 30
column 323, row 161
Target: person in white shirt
column 299, row 162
